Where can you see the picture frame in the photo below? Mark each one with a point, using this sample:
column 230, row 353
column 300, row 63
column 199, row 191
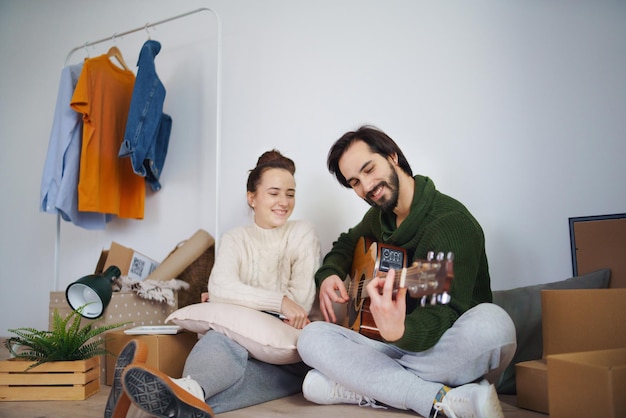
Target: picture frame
column 597, row 241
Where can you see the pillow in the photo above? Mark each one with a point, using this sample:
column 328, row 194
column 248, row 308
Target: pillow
column 266, row 337
column 523, row 304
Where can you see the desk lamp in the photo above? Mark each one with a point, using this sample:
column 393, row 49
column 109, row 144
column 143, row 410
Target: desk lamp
column 93, row 292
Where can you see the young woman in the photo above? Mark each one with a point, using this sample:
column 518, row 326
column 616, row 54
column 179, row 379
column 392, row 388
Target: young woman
column 268, row 265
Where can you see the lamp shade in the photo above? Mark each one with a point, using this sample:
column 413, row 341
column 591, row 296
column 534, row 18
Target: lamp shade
column 92, row 292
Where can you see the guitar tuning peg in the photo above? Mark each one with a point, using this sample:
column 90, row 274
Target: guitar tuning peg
column 444, row 298
column 423, row 301
column 430, row 256
column 433, row 300
column 440, row 256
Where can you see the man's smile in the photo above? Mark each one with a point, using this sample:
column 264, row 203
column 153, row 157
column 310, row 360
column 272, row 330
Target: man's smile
column 377, row 192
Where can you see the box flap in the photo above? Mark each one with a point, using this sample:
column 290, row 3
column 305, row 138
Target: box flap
column 606, row 359
column 103, row 258
column 131, row 263
column 540, row 365
column 119, row 256
column 587, row 384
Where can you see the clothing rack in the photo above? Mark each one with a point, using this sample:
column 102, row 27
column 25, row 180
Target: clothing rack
column 218, row 114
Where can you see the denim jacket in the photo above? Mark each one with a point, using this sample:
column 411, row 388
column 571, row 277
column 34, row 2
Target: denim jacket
column 147, row 128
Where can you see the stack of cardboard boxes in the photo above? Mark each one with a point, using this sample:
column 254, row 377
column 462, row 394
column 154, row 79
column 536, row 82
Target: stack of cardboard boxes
column 166, row 352
column 583, row 369
column 124, row 307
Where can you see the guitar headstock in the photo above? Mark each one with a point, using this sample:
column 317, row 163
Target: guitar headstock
column 431, row 277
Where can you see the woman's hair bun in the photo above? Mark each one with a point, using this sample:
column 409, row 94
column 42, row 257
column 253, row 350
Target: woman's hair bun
column 267, row 160
column 274, row 159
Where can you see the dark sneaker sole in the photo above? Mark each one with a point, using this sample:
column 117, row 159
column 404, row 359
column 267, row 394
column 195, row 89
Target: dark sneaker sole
column 118, row 403
column 155, row 393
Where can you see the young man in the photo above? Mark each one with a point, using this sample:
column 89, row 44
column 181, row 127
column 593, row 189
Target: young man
column 436, row 359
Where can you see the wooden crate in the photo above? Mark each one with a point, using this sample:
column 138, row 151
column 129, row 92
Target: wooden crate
column 59, row 380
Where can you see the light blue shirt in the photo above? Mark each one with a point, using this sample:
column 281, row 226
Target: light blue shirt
column 59, row 182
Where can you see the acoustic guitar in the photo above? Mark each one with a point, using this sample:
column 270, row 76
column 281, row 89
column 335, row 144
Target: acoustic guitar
column 428, row 279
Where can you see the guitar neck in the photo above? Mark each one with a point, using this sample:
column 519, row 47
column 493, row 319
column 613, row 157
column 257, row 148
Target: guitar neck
column 424, row 278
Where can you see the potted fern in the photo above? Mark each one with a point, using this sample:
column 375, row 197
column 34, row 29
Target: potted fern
column 62, row 363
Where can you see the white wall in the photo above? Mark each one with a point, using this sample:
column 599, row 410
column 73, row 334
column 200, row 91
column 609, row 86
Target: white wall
column 515, row 108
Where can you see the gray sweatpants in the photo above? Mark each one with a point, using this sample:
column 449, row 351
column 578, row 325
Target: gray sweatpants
column 480, row 344
column 232, row 380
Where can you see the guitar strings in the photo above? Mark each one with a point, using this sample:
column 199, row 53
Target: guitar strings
column 417, row 268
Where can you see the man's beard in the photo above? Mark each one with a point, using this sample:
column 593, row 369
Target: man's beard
column 387, row 205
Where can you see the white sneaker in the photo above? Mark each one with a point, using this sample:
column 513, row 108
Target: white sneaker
column 319, row 389
column 190, row 386
column 474, row 400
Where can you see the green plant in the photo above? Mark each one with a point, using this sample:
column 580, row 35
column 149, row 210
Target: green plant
column 67, row 341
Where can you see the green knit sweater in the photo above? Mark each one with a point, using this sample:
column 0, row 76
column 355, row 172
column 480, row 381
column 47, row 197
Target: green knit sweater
column 436, row 223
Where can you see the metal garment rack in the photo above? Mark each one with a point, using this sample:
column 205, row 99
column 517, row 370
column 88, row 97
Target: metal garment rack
column 218, row 114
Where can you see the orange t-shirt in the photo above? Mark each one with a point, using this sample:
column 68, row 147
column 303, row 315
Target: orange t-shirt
column 107, row 183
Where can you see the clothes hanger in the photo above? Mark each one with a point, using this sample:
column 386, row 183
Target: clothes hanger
column 115, row 52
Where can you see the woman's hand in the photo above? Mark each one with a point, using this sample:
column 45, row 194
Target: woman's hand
column 204, row 297
column 297, row 317
column 388, row 310
column 332, row 291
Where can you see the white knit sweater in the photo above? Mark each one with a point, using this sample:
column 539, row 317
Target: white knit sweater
column 256, row 267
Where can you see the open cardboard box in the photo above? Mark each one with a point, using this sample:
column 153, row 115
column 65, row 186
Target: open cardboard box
column 573, row 320
column 587, row 384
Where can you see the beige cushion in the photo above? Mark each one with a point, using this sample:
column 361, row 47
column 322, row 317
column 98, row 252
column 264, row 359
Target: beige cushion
column 266, row 337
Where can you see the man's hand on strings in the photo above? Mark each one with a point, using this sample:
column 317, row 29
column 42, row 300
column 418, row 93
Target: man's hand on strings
column 387, row 307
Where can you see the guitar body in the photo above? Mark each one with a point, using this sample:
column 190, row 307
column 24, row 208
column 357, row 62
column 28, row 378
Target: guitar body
column 371, row 260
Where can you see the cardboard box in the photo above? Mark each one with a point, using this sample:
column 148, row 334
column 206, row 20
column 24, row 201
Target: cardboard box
column 165, row 352
column 131, row 263
column 583, row 320
column 124, row 307
column 573, row 320
column 531, row 380
column 588, row 384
